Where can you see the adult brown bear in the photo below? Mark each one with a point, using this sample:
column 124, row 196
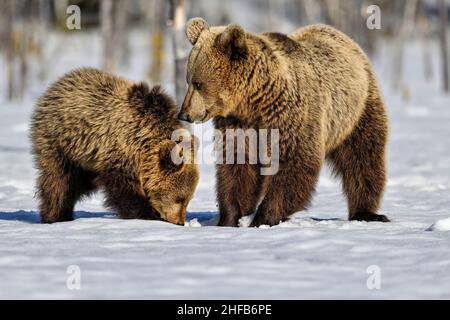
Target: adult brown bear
column 317, row 87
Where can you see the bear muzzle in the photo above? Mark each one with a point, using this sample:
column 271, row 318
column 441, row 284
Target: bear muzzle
column 198, row 118
column 184, row 117
column 175, row 214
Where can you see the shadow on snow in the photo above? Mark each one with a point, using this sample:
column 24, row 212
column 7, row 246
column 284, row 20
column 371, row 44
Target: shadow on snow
column 33, row 216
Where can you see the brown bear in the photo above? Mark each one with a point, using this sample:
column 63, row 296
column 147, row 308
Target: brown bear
column 317, row 87
column 95, row 130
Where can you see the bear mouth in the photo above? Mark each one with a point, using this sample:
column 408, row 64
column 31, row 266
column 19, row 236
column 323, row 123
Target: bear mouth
column 163, row 217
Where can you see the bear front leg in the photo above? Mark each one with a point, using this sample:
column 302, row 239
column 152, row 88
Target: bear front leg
column 124, row 198
column 238, row 192
column 289, row 191
column 61, row 184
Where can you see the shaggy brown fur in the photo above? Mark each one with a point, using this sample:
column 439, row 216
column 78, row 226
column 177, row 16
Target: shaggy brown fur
column 95, row 130
column 318, row 88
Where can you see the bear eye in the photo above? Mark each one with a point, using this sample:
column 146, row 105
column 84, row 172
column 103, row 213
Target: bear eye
column 197, row 85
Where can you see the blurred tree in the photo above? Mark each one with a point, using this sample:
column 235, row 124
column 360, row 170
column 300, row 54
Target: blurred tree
column 276, row 14
column 178, row 17
column 23, row 39
column 158, row 20
column 24, row 46
column 443, row 39
column 114, row 20
column 312, row 11
column 106, row 20
column 406, row 29
column 122, row 46
column 60, row 7
column 424, row 34
column 9, row 9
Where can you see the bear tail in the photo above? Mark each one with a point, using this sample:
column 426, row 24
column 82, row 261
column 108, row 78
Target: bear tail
column 154, row 101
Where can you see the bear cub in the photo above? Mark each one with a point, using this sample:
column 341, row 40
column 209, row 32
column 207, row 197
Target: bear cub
column 93, row 130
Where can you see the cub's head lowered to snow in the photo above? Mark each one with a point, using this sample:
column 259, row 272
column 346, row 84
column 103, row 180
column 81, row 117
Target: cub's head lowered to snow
column 174, row 180
column 169, row 174
column 218, row 71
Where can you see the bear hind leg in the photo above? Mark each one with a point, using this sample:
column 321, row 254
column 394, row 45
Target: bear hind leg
column 360, row 162
column 60, row 185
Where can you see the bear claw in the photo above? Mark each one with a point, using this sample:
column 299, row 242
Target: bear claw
column 369, row 217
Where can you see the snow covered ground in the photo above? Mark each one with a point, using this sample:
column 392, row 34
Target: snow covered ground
column 318, row 254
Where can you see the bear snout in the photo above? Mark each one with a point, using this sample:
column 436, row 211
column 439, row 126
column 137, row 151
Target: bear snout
column 194, row 118
column 184, row 117
column 175, row 214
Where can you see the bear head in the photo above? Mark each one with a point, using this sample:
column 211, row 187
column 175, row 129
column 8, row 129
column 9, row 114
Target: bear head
column 173, row 182
column 215, row 70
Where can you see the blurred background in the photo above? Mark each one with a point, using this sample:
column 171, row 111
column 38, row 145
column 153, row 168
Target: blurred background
column 144, row 39
column 318, row 253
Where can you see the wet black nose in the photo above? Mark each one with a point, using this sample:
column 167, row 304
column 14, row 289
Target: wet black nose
column 183, row 117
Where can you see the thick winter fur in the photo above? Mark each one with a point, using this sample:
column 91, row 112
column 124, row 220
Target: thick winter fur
column 318, row 88
column 94, row 130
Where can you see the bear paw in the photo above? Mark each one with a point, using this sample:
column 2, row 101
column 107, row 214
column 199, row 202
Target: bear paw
column 369, row 217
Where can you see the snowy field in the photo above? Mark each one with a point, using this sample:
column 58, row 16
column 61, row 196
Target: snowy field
column 318, row 254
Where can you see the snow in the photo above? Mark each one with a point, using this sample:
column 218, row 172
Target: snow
column 317, row 254
column 441, row 225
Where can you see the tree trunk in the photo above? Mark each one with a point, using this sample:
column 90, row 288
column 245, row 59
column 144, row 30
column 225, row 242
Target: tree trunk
column 42, row 32
column 424, row 32
column 273, row 15
column 120, row 31
column 158, row 22
column 407, row 27
column 325, row 11
column 24, row 53
column 60, row 7
column 9, row 46
column 179, row 47
column 106, row 18
column 333, row 9
column 443, row 19
column 312, row 11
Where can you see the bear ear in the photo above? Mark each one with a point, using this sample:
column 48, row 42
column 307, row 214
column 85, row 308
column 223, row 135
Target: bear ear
column 192, row 149
column 170, row 156
column 233, row 42
column 158, row 99
column 137, row 93
column 154, row 100
column 194, row 29
column 189, row 144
